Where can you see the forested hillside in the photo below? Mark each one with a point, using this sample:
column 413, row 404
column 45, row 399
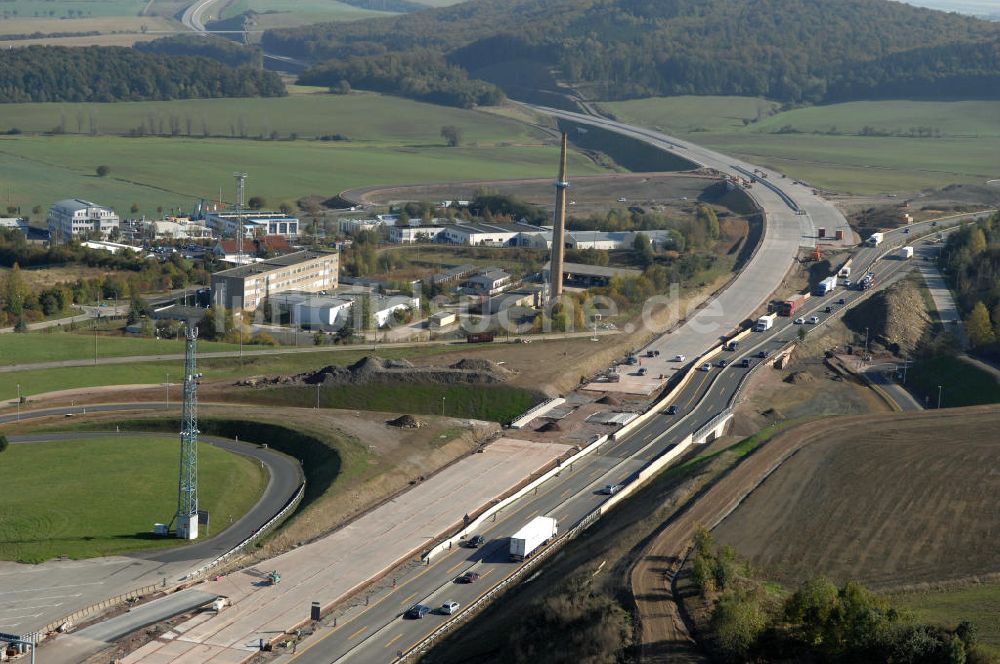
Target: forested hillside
column 790, row 50
column 95, row 73
column 971, row 258
column 225, row 51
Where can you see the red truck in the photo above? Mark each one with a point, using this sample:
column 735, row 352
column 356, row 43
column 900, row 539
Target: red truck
column 788, row 307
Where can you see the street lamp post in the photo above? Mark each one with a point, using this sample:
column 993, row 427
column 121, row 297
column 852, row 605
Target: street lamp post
column 18, row 402
column 442, row 406
column 939, row 396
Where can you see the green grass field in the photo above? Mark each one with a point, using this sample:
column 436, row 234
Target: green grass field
column 962, row 384
column 99, row 497
column 60, row 8
column 493, row 403
column 56, row 346
column 289, row 13
column 949, row 607
column 393, row 142
column 965, row 152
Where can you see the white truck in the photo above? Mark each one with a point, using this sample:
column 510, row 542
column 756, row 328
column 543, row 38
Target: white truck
column 876, row 239
column 845, row 272
column 765, row 323
column 906, row 252
column 537, row 532
column 828, row 285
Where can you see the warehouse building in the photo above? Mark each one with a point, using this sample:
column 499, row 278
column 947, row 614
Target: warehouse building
column 254, row 223
column 246, row 286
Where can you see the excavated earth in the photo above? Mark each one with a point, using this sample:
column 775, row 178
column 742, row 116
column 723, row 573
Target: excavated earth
column 373, row 370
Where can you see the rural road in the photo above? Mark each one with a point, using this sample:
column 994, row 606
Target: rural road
column 71, row 585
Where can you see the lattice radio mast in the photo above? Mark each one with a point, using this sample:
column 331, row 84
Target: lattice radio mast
column 187, row 486
column 241, row 181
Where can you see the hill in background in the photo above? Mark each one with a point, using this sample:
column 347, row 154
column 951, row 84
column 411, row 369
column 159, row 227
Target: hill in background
column 789, row 50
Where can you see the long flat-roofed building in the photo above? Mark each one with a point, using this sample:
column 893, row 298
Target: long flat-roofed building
column 246, row 286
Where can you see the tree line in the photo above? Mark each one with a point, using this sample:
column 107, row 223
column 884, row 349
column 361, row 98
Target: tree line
column 421, row 75
column 106, row 74
column 971, row 261
column 796, row 51
column 222, row 50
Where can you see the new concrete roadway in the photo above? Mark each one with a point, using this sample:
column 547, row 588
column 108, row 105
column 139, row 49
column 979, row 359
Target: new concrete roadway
column 32, row 596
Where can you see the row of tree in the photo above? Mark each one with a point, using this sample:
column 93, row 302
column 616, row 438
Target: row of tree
column 421, row 75
column 106, row 74
column 789, row 50
column 971, row 259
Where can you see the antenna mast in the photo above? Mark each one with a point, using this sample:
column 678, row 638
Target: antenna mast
column 241, row 181
column 187, row 486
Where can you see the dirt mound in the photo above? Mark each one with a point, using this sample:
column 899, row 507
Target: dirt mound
column 479, row 364
column 370, row 369
column 609, row 400
column 799, row 378
column 549, row 426
column 896, row 317
column 405, row 422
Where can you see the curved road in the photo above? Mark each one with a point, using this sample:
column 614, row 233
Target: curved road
column 75, row 584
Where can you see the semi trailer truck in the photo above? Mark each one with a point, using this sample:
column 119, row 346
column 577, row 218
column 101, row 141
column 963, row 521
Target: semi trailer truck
column 533, row 535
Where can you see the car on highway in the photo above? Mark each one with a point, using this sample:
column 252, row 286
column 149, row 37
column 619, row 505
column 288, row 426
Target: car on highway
column 475, row 542
column 622, row 199
column 828, row 309
column 841, row 301
column 678, row 358
column 611, row 489
column 706, row 367
column 762, row 354
column 745, row 362
column 450, row 607
column 673, row 409
column 417, row 611
column 800, row 321
column 722, row 364
column 642, row 371
column 813, row 320
column 468, row 577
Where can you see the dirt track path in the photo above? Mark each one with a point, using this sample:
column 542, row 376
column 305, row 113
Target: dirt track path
column 664, row 635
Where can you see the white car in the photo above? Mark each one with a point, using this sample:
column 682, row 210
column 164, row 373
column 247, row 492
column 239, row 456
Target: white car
column 622, row 199
column 813, row 320
column 678, row 358
column 707, row 366
column 800, row 321
column 449, row 607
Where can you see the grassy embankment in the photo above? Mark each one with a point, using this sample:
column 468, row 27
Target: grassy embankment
column 837, row 156
column 950, row 607
column 392, row 141
column 58, row 346
column 39, row 381
column 962, row 384
column 55, row 495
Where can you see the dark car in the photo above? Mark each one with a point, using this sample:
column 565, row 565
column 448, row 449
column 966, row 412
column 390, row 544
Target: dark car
column 745, row 362
column 475, row 541
column 762, row 354
column 828, row 310
column 841, row 301
column 722, row 363
column 672, row 410
column 468, row 577
column 417, row 611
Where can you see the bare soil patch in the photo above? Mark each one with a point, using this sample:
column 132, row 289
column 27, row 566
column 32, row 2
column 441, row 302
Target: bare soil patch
column 372, row 369
column 890, row 501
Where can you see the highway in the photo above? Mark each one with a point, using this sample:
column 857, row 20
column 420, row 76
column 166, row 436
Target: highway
column 376, row 633
column 75, row 584
column 785, row 232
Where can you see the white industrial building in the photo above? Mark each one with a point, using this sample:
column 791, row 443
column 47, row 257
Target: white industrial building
column 355, row 226
column 180, row 229
column 483, row 234
column 489, row 282
column 412, row 234
column 75, row 217
column 254, row 222
column 312, row 308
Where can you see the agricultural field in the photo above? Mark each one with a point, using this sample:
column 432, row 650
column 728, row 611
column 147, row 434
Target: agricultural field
column 859, row 147
column 927, row 514
column 274, row 14
column 173, row 173
column 93, row 22
column 55, row 495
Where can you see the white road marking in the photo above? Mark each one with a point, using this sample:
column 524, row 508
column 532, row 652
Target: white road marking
column 37, row 606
